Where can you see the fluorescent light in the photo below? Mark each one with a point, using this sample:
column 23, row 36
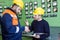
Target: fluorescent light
column 26, row 4
column 49, row 5
column 35, row 7
column 31, row 12
column 31, row 8
column 43, row 1
column 48, row 0
column 43, row 5
column 0, row 6
column 26, row 8
column 55, row 9
column 0, row 10
column 54, row 3
column 31, row 3
column 49, row 10
column 27, row 12
column 35, row 2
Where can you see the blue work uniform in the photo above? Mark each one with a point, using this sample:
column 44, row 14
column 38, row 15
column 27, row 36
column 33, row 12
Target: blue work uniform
column 10, row 31
column 0, row 19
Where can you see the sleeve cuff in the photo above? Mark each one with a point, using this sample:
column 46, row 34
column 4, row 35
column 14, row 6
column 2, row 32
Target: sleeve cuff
column 23, row 28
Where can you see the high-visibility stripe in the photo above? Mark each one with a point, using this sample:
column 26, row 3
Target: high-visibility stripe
column 13, row 15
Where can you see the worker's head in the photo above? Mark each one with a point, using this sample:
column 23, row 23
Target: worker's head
column 17, row 5
column 38, row 13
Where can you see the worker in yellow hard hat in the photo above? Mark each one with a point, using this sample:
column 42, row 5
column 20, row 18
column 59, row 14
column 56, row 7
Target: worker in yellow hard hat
column 11, row 28
column 19, row 3
column 38, row 12
column 39, row 26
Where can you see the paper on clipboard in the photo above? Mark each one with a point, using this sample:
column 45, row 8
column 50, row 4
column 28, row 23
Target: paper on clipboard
column 36, row 34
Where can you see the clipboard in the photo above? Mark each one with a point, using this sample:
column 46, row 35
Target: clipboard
column 32, row 35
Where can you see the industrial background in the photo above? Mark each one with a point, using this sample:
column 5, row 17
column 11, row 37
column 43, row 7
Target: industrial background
column 52, row 14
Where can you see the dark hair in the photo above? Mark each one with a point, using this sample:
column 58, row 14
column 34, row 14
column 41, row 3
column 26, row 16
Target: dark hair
column 14, row 5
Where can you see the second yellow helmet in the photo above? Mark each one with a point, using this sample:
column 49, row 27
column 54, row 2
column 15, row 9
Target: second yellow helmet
column 38, row 11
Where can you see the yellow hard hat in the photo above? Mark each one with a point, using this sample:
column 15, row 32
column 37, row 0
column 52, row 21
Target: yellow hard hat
column 19, row 3
column 38, row 11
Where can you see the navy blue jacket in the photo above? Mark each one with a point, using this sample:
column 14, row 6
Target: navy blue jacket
column 0, row 19
column 40, row 27
column 9, row 30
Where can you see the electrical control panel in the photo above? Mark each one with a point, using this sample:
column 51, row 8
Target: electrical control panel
column 51, row 7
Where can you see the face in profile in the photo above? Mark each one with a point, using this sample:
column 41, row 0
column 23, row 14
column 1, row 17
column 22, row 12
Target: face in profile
column 18, row 10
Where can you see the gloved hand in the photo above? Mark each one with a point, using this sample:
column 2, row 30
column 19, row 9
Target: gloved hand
column 36, row 36
column 27, row 29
